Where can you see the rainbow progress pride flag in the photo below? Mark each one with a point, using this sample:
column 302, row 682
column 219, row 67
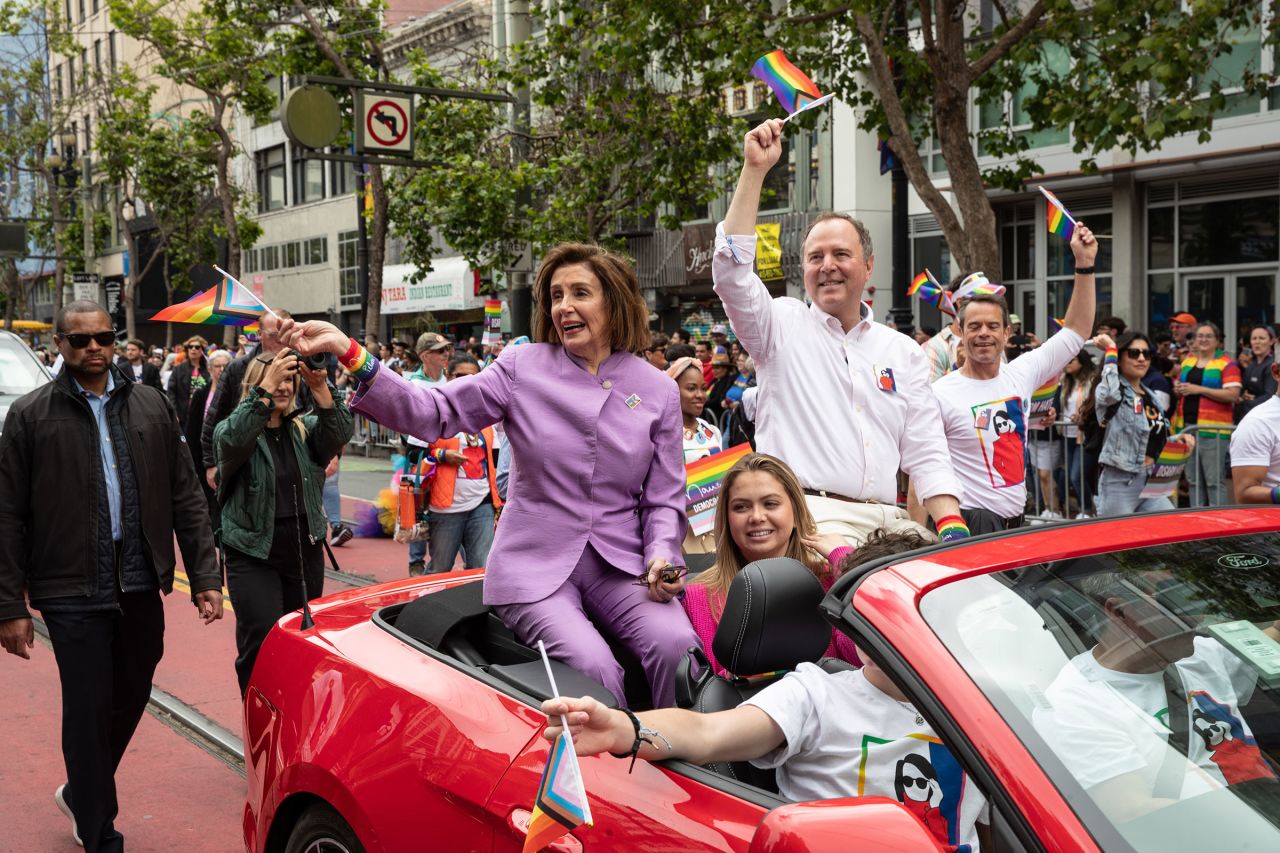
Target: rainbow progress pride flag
column 202, row 308
column 561, row 804
column 792, row 86
column 1060, row 222
column 1164, row 476
column 929, row 290
column 702, row 486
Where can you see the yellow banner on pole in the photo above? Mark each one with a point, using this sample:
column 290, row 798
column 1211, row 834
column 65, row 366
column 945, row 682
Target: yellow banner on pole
column 769, row 251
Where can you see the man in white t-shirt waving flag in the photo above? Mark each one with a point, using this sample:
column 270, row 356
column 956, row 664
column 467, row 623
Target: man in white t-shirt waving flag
column 1255, row 451
column 986, row 402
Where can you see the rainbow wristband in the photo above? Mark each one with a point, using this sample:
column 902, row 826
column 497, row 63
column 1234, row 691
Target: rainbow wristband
column 1110, row 357
column 952, row 527
column 360, row 362
column 1275, row 495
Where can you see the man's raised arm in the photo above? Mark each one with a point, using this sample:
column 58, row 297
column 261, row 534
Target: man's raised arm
column 761, row 150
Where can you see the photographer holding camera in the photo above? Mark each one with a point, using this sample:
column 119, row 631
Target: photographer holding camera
column 271, row 458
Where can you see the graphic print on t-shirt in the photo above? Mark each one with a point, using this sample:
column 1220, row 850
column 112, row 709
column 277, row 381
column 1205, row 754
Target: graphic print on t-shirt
column 1002, row 433
column 1234, row 752
column 927, row 780
column 476, row 466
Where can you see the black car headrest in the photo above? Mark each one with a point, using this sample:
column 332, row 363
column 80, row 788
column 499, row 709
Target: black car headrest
column 771, row 620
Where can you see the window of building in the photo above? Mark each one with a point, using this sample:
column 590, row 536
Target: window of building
column 1242, row 55
column 271, row 179
column 308, row 179
column 66, row 9
column 84, row 66
column 57, row 82
column 342, row 176
column 1229, row 231
column 292, row 255
column 81, row 8
column 1062, row 265
column 317, row 251
column 270, row 258
column 348, row 275
column 250, row 259
column 71, row 75
column 97, row 55
column 1018, row 241
column 780, row 182
column 96, row 5
column 111, row 48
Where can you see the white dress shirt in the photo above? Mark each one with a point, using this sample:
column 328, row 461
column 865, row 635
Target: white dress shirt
column 845, row 410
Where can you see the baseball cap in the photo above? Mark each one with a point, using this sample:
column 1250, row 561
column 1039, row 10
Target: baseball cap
column 1184, row 317
column 1015, row 320
column 719, row 329
column 431, row 342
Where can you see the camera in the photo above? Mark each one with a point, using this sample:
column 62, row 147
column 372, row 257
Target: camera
column 315, row 361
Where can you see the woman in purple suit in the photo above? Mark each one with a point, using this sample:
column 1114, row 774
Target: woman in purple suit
column 595, row 509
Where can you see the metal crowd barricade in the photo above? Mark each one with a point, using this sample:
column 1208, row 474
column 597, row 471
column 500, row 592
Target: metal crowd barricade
column 1221, row 449
column 368, row 434
column 1064, row 463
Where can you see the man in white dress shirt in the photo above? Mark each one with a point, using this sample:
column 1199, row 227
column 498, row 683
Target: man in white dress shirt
column 843, row 400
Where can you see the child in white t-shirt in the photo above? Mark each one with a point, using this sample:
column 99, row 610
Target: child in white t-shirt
column 830, row 736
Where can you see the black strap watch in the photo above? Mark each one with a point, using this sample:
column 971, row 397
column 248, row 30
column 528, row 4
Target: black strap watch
column 1085, row 270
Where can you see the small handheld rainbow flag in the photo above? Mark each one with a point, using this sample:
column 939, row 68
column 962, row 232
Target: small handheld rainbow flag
column 561, row 802
column 1042, row 399
column 793, row 87
column 929, row 290
column 1162, row 482
column 1060, row 222
column 703, row 478
column 492, row 322
column 228, row 304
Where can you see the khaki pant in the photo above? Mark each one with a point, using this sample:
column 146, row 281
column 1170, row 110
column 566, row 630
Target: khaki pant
column 856, row 521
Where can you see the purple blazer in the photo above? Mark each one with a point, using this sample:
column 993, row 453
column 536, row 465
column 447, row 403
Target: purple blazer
column 595, row 459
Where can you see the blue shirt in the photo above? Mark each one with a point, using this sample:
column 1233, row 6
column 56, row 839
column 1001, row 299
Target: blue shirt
column 110, row 476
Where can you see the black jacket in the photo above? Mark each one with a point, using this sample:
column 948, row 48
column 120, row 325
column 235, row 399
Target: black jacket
column 181, row 387
column 150, row 373
column 49, row 516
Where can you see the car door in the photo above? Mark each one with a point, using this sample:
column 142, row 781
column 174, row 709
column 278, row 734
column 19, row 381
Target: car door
column 669, row 806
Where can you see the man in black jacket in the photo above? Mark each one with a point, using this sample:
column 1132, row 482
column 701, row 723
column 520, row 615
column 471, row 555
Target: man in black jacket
column 136, row 367
column 95, row 481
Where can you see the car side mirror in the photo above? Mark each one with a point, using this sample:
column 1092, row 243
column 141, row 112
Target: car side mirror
column 838, row 826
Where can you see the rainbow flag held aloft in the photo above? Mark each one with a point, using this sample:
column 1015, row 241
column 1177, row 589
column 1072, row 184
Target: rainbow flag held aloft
column 924, row 278
column 702, row 486
column 200, row 309
column 1060, row 222
column 1162, row 482
column 929, row 290
column 793, row 87
column 233, row 299
column 492, row 322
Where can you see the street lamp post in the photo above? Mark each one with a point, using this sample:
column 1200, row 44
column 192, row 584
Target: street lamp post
column 66, row 171
column 63, row 171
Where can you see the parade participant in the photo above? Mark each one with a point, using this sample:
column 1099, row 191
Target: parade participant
column 1182, row 328
column 464, row 490
column 843, row 400
column 1255, row 450
column 597, row 484
column 701, row 438
column 717, row 391
column 136, row 366
column 433, row 351
column 1134, row 423
column 188, row 377
column 273, row 522
column 194, row 425
column 985, row 404
column 95, row 485
column 829, row 735
column 1208, row 384
column 1078, row 381
column 1258, row 381
column 940, row 349
column 704, row 350
column 762, row 514
column 227, row 396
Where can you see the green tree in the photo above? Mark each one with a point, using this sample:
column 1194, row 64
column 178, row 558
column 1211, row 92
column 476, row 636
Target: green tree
column 1118, row 75
column 216, row 49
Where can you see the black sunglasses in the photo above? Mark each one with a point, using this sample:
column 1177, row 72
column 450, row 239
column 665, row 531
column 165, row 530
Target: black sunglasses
column 80, row 341
column 1134, row 352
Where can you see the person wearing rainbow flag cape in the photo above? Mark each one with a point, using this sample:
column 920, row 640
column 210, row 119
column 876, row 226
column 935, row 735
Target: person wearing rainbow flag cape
column 843, row 400
column 986, row 403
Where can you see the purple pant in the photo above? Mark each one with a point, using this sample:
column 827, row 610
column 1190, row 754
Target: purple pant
column 597, row 594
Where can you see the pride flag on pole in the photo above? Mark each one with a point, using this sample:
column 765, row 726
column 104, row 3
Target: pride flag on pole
column 793, row 87
column 200, row 308
column 929, row 290
column 703, row 478
column 492, row 322
column 1060, row 222
column 561, row 802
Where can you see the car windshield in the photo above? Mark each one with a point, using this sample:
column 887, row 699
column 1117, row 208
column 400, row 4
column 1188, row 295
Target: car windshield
column 1148, row 679
column 19, row 370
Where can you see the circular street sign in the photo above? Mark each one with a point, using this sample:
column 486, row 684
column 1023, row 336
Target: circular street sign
column 311, row 117
column 386, row 123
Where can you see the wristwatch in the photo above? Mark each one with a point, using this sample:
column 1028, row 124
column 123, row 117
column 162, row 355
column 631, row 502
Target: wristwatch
column 1085, row 270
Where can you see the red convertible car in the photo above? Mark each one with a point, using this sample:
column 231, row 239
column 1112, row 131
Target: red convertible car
column 406, row 719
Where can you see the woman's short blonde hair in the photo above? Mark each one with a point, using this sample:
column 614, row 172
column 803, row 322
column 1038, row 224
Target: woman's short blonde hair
column 625, row 308
column 729, row 558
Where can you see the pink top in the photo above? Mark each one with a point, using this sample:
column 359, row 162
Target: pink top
column 697, row 604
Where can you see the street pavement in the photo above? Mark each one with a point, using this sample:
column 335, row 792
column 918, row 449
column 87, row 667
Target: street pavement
column 173, row 793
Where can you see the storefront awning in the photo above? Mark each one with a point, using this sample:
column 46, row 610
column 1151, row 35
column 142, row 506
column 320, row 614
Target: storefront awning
column 450, row 286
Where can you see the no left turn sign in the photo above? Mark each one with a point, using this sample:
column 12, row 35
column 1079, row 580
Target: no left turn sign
column 386, row 125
